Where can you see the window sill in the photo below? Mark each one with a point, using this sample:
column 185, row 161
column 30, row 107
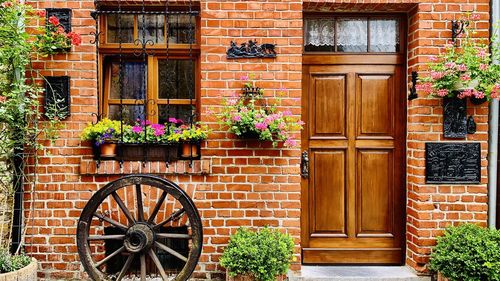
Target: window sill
column 112, row 167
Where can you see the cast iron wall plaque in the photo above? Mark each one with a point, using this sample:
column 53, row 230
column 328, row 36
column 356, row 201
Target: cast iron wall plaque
column 57, row 93
column 452, row 163
column 64, row 16
column 455, row 118
column 250, row 49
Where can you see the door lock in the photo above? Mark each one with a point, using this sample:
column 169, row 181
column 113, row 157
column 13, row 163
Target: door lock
column 304, row 165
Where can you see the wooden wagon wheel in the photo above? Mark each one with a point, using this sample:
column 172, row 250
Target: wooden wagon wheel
column 139, row 236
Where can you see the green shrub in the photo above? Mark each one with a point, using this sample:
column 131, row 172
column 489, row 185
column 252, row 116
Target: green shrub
column 264, row 254
column 10, row 262
column 468, row 253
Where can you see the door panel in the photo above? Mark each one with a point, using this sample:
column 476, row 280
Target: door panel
column 353, row 202
column 329, row 194
column 329, row 106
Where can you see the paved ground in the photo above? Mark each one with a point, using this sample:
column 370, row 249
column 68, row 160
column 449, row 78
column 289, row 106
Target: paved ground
column 355, row 273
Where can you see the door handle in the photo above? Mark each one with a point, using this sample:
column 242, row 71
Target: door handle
column 304, row 165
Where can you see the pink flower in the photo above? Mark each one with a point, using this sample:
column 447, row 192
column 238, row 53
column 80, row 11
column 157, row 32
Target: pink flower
column 465, row 93
column 172, row 120
column 54, row 20
column 478, row 94
column 434, row 58
column 475, row 16
column 236, row 118
column 137, row 129
column 281, row 125
column 495, row 92
column 41, row 13
column 290, row 142
column 76, row 39
column 258, row 115
column 261, row 126
column 244, row 78
column 462, row 67
column 287, row 113
column 7, row 4
column 425, row 88
column 3, row 99
column 465, row 77
column 232, row 101
column 436, row 75
column 483, row 66
column 301, row 123
column 442, row 93
column 145, row 123
column 450, row 65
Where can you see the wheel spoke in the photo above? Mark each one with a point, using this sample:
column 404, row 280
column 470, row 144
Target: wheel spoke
column 173, row 235
column 111, row 221
column 106, row 237
column 125, row 267
column 127, row 213
column 157, row 207
column 103, row 261
column 171, row 218
column 158, row 264
column 143, row 267
column 140, row 209
column 170, row 251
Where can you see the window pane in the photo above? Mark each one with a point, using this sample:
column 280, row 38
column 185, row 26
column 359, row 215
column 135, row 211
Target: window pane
column 154, row 28
column 127, row 30
column 352, row 35
column 130, row 113
column 319, row 34
column 133, row 79
column 183, row 112
column 176, row 79
column 384, row 35
column 181, row 29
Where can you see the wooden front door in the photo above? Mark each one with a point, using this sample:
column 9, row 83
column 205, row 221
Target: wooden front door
column 354, row 197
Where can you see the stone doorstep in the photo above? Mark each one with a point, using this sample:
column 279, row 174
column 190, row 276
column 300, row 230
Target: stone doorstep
column 356, row 273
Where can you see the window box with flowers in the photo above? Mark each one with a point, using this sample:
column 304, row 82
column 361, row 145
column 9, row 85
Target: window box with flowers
column 250, row 117
column 53, row 39
column 463, row 70
column 104, row 136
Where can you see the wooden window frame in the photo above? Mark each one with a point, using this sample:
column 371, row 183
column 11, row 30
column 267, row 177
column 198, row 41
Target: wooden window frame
column 157, row 52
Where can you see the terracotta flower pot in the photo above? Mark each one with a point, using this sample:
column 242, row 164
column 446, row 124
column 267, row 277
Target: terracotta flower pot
column 108, row 149
column 189, row 150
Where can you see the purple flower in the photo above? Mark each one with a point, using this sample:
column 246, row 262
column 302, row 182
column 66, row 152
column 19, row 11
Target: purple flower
column 236, row 118
column 137, row 129
column 261, row 126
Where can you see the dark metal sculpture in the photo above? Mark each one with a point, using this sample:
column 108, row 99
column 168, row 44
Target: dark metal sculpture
column 64, row 16
column 452, row 163
column 455, row 118
column 250, row 49
column 57, row 96
column 471, row 125
column 126, row 205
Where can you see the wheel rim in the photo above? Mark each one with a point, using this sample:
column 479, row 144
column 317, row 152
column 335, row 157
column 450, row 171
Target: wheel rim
column 139, row 208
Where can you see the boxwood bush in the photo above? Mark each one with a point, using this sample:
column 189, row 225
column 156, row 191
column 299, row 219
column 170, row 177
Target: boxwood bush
column 468, row 253
column 262, row 254
column 9, row 263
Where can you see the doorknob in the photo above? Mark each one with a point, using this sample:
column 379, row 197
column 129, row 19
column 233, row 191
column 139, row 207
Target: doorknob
column 304, row 165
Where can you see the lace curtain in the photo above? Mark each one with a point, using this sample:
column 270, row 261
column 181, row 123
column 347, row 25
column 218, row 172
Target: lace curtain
column 319, row 32
column 384, row 35
column 352, row 35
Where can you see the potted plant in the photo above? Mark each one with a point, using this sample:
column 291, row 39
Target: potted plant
column 53, row 39
column 17, row 267
column 249, row 116
column 147, row 141
column 104, row 136
column 190, row 137
column 263, row 255
column 467, row 252
column 464, row 69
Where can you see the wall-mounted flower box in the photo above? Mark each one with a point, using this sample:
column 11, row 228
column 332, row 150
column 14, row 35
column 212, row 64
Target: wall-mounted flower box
column 148, row 152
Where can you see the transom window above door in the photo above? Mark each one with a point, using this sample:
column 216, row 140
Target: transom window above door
column 349, row 34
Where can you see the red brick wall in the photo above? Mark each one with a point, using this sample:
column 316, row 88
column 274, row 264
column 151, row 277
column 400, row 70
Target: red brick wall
column 248, row 184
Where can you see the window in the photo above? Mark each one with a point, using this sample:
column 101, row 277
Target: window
column 347, row 34
column 144, row 75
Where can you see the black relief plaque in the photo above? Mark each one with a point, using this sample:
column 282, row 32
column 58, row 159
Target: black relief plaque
column 57, row 93
column 452, row 163
column 455, row 118
column 64, row 16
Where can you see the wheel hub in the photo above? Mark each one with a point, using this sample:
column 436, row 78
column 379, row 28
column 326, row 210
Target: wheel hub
column 138, row 238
